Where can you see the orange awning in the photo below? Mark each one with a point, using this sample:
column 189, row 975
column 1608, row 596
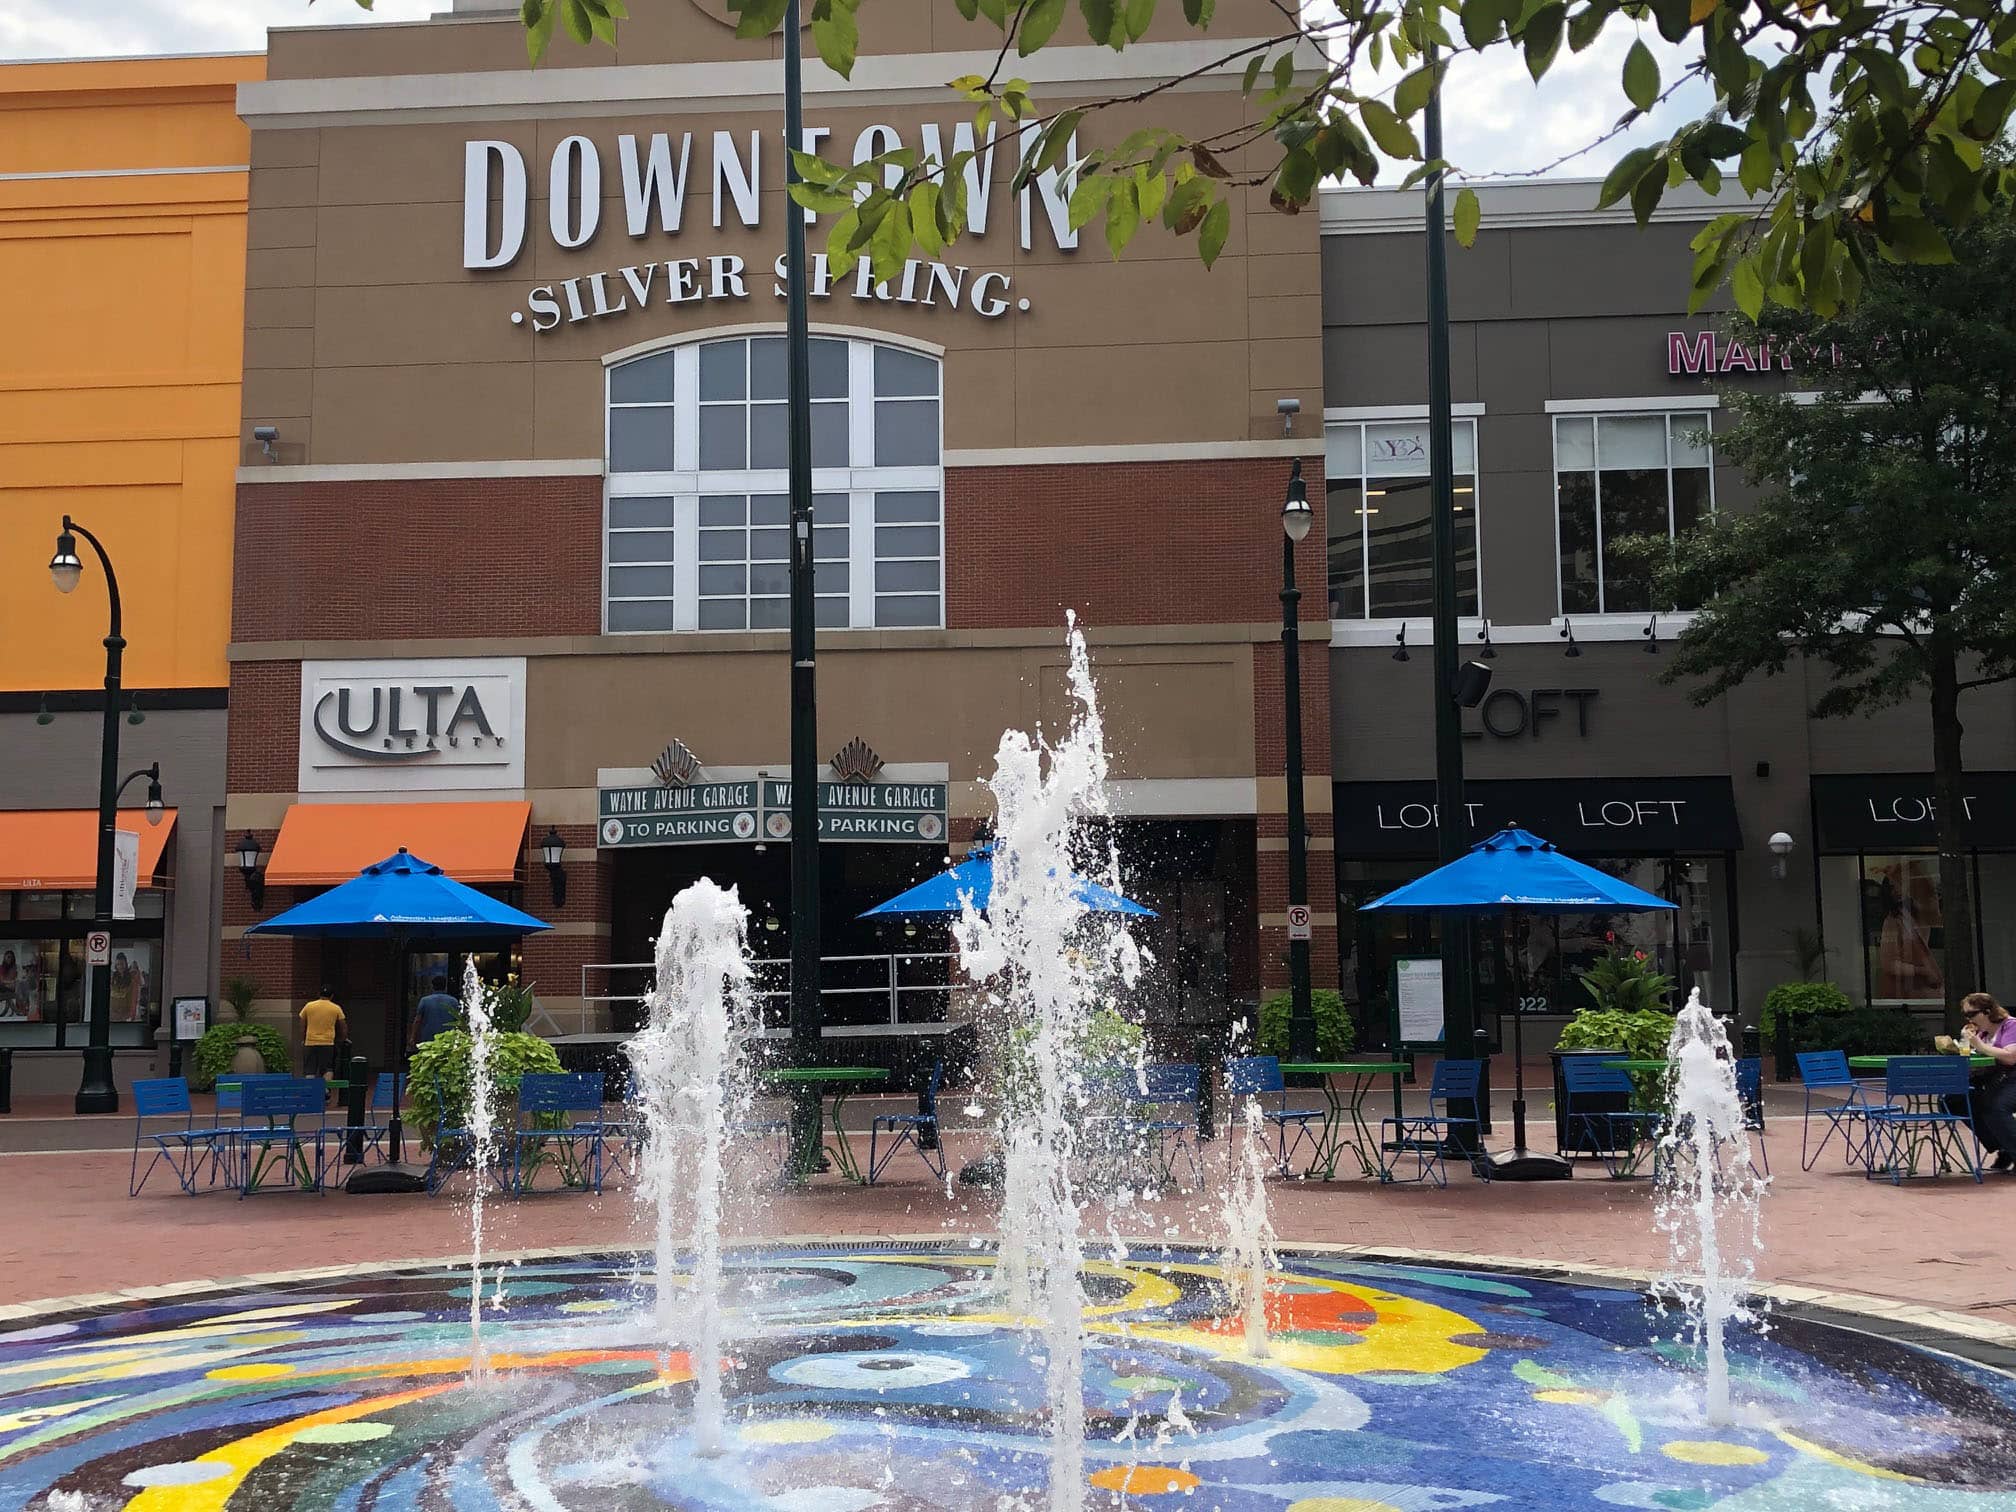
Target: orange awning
column 55, row 848
column 322, row 844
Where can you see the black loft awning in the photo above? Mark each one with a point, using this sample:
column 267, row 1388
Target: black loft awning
column 1585, row 816
column 1884, row 811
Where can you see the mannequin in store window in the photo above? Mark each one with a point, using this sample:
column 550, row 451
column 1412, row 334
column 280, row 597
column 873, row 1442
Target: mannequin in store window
column 1906, row 967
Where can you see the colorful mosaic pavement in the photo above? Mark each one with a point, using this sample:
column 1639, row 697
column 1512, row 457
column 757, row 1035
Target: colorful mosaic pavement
column 889, row 1378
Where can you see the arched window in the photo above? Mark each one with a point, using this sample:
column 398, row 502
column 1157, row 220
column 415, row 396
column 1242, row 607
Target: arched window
column 698, row 503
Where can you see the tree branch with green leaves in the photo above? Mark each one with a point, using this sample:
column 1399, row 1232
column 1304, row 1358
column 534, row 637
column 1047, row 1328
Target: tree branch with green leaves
column 1853, row 130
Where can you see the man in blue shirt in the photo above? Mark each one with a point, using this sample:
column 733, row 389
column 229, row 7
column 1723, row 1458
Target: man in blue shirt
column 438, row 1010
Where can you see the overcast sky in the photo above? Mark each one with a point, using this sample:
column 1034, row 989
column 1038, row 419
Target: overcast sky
column 1496, row 120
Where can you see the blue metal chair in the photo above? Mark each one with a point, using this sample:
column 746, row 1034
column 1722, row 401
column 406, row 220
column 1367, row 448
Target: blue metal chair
column 182, row 1150
column 1845, row 1104
column 1428, row 1137
column 548, row 1128
column 1750, row 1089
column 906, row 1128
column 622, row 1134
column 1259, row 1076
column 452, row 1149
column 1928, row 1108
column 1173, row 1092
column 1619, row 1137
column 282, row 1102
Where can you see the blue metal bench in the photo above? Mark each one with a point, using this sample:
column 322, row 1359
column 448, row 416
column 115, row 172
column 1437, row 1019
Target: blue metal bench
column 1427, row 1136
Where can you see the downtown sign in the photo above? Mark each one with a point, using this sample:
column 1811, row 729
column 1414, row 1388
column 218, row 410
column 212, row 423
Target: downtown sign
column 660, row 175
column 431, row 724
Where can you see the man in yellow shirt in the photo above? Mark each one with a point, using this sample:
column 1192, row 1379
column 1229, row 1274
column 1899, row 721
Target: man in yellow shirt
column 322, row 1023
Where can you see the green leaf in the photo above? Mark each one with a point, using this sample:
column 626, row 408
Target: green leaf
column 1102, row 20
column 1187, row 205
column 1198, row 12
column 1468, row 214
column 1991, row 110
column 1039, row 24
column 759, row 17
column 1746, row 284
column 1212, row 233
column 1754, row 172
column 1123, row 216
column 574, row 16
column 924, row 220
column 890, row 247
column 1909, row 239
column 1481, row 23
column 1542, row 39
column 1284, row 73
column 1088, row 198
column 837, row 37
column 1139, row 14
column 1411, row 94
column 1056, row 140
column 1646, row 193
column 1585, row 26
column 1150, row 190
column 1641, row 76
column 1253, row 65
column 1395, row 137
column 539, row 16
column 1630, row 168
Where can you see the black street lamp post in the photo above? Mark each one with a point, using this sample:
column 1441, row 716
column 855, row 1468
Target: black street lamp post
column 1296, row 518
column 96, row 1092
column 807, row 1018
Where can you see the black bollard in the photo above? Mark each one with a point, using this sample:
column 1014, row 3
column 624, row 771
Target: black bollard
column 355, row 1100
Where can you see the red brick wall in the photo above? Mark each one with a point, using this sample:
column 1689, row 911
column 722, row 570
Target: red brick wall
column 1136, row 543
column 263, row 738
column 449, row 557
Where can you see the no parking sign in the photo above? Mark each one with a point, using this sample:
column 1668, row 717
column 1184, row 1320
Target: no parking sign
column 98, row 948
column 1298, row 921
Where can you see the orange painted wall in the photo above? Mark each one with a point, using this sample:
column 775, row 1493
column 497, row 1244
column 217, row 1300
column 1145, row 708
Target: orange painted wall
column 122, row 254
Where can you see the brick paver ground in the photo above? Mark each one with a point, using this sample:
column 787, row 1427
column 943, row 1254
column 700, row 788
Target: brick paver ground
column 70, row 1229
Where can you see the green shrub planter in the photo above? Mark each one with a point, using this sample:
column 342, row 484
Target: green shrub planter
column 211, row 1057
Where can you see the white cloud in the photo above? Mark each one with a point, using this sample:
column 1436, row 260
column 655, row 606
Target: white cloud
column 1496, row 120
column 129, row 28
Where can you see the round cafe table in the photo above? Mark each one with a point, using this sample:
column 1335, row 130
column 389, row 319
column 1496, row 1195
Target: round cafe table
column 834, row 1083
column 1346, row 1106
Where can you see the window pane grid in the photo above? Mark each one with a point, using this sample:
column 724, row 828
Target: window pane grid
column 721, row 552
column 1635, row 473
column 1380, row 523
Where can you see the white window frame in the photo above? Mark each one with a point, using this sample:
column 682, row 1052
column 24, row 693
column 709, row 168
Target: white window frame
column 1358, row 420
column 1582, row 411
column 685, row 482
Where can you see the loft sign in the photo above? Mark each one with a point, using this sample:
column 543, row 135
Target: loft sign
column 661, row 174
column 412, row 723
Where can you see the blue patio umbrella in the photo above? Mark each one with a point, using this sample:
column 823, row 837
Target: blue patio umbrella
column 400, row 899
column 1515, row 872
column 974, row 878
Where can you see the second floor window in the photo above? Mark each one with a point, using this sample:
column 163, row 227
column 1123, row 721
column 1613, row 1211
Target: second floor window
column 698, row 533
column 1380, row 556
column 1617, row 476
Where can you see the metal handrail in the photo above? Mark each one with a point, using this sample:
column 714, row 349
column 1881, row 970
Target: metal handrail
column 893, row 987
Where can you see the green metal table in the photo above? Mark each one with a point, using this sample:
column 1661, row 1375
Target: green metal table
column 1638, row 1065
column 1882, row 1062
column 818, row 1079
column 1347, row 1108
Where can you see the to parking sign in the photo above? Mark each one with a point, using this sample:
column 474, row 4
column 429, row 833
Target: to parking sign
column 1298, row 921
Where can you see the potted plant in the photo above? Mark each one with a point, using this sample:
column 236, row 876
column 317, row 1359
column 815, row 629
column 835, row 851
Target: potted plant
column 248, row 1058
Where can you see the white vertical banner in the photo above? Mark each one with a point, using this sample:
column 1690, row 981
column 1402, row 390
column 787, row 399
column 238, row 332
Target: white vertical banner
column 125, row 872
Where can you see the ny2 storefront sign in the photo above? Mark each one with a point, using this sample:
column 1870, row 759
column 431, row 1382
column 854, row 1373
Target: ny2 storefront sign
column 372, row 726
column 658, row 173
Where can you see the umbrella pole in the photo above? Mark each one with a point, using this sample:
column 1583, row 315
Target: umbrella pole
column 395, row 1129
column 1520, row 1163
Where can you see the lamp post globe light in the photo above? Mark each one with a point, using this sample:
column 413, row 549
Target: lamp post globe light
column 1296, row 518
column 95, row 1091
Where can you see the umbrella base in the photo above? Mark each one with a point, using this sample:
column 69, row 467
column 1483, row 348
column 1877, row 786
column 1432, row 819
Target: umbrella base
column 1529, row 1165
column 371, row 1181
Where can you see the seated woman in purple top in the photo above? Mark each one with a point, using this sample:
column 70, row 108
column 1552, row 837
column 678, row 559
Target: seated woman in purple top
column 1991, row 1031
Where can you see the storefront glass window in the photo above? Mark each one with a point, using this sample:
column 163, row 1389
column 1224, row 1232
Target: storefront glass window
column 1380, row 521
column 1618, row 476
column 1995, row 905
column 698, row 514
column 1903, row 929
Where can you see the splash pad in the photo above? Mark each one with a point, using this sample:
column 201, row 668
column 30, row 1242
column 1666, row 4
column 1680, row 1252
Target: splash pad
column 863, row 1376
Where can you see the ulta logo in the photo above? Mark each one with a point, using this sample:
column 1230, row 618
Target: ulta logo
column 405, row 721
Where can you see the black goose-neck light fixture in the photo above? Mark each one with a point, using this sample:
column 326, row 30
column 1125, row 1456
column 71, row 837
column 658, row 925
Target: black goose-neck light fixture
column 1490, row 652
column 1651, row 633
column 42, row 714
column 248, row 868
column 1568, row 634
column 553, row 851
column 1401, row 640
